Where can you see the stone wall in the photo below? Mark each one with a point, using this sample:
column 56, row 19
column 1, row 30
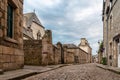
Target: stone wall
column 55, row 55
column 47, row 48
column 83, row 56
column 11, row 58
column 84, row 45
column 33, row 52
column 11, row 49
column 61, row 53
column 69, row 58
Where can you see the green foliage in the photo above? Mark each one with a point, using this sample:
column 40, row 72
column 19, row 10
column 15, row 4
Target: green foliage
column 104, row 61
column 101, row 48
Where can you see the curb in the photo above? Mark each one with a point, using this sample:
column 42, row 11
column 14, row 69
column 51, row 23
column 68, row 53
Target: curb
column 109, row 69
column 34, row 73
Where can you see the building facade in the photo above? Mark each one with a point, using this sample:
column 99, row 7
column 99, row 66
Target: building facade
column 111, row 31
column 74, row 55
column 33, row 29
column 38, row 45
column 84, row 45
column 11, row 42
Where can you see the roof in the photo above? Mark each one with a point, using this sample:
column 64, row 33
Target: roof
column 55, row 46
column 31, row 17
column 70, row 46
column 27, row 33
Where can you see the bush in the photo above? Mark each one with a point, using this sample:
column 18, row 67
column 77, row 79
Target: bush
column 104, row 61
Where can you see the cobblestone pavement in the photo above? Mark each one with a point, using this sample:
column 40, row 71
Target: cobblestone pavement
column 77, row 72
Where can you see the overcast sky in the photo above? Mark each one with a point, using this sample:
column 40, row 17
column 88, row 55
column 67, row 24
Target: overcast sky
column 70, row 20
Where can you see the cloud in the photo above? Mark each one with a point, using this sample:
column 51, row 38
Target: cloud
column 42, row 3
column 70, row 20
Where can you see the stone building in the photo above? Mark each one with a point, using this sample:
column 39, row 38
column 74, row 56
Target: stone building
column 83, row 56
column 111, row 31
column 70, row 53
column 32, row 27
column 84, row 45
column 37, row 41
column 11, row 42
column 100, row 56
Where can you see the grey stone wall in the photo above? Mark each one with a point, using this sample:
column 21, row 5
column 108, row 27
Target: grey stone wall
column 33, row 52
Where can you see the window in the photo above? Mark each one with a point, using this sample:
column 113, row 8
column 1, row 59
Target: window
column 110, row 23
column 10, row 10
column 110, row 57
column 111, row 1
column 107, row 10
column 38, row 35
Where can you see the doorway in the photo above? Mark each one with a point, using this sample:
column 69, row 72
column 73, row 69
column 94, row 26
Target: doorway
column 118, row 54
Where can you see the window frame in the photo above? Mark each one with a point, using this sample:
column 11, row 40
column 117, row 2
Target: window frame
column 11, row 33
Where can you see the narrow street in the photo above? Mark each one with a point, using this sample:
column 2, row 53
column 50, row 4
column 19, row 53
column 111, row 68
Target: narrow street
column 77, row 72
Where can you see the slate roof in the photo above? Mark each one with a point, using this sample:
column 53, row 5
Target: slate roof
column 27, row 33
column 70, row 46
column 30, row 17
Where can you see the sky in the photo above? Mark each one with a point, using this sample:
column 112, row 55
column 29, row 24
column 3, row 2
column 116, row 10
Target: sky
column 70, row 20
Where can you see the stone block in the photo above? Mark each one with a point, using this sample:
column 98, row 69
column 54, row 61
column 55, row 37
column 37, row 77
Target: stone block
column 1, row 33
column 0, row 58
column 18, row 52
column 12, row 58
column 1, row 14
column 8, row 50
column 0, row 49
column 5, row 66
column 19, row 59
column 5, row 58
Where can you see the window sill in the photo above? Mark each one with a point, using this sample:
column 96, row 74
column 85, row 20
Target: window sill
column 11, row 40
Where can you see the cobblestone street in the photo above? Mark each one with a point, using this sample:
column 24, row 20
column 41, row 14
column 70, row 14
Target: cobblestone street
column 77, row 72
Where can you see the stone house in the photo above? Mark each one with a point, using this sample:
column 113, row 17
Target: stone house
column 11, row 42
column 32, row 27
column 84, row 45
column 95, row 58
column 40, row 48
column 111, row 31
column 83, row 55
column 73, row 54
